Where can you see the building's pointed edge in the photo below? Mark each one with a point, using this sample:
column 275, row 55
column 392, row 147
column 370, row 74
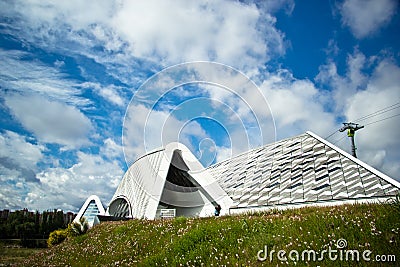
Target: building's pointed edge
column 84, row 207
column 357, row 161
column 211, row 191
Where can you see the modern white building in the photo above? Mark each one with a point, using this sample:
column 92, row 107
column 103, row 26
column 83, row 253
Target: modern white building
column 90, row 209
column 298, row 171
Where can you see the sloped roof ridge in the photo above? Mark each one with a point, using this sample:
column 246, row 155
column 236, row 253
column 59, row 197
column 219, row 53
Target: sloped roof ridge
column 254, row 149
column 356, row 160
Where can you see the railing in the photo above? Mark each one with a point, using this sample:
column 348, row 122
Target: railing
column 167, row 213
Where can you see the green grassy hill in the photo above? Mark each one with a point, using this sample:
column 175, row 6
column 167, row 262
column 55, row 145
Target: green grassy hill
column 236, row 240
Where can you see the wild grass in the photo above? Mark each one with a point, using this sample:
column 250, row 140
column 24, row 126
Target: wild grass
column 13, row 256
column 235, row 240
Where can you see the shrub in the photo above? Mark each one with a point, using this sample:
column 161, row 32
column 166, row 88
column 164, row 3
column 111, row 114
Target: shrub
column 78, row 228
column 56, row 237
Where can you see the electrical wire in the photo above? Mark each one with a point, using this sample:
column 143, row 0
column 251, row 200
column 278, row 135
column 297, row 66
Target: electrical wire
column 336, row 131
column 379, row 112
column 382, row 119
column 369, row 116
column 340, row 139
column 344, row 136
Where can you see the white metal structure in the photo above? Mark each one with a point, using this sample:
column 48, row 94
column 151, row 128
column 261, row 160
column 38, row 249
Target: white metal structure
column 298, row 171
column 90, row 209
column 168, row 178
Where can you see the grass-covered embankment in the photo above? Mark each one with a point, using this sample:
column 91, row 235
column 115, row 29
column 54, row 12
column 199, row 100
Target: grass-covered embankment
column 236, row 240
column 15, row 255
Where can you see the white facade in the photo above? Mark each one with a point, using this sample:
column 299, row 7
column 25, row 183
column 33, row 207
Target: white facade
column 170, row 177
column 90, row 209
column 298, row 171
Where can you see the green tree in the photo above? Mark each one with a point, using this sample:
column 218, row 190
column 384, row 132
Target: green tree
column 59, row 219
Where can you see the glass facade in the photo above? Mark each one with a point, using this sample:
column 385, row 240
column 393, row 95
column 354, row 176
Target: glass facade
column 91, row 213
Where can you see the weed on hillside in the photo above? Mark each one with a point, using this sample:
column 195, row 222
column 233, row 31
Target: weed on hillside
column 348, row 235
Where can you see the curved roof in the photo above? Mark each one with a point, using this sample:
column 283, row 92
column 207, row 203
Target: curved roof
column 146, row 183
column 304, row 169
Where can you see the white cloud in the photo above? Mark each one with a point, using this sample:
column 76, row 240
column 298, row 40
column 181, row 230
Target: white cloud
column 110, row 92
column 223, row 153
column 20, row 74
column 366, row 17
column 68, row 188
column 111, row 149
column 18, row 158
column 18, row 166
column 383, row 90
column 344, row 87
column 51, row 121
column 168, row 31
column 146, row 129
column 297, row 105
column 185, row 31
column 65, row 188
column 16, row 146
column 94, row 166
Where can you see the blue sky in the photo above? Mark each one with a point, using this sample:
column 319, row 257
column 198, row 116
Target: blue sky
column 85, row 88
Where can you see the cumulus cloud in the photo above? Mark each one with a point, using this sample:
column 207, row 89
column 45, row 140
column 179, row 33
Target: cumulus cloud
column 14, row 145
column 297, row 105
column 64, row 188
column 18, row 157
column 18, row 166
column 168, row 31
column 185, row 31
column 146, row 129
column 111, row 149
column 344, row 87
column 383, row 90
column 51, row 121
column 366, row 17
column 68, row 188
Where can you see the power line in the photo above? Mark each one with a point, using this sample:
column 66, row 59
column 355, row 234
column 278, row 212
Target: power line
column 382, row 119
column 342, row 129
column 379, row 112
column 369, row 116
column 340, row 139
column 336, row 131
